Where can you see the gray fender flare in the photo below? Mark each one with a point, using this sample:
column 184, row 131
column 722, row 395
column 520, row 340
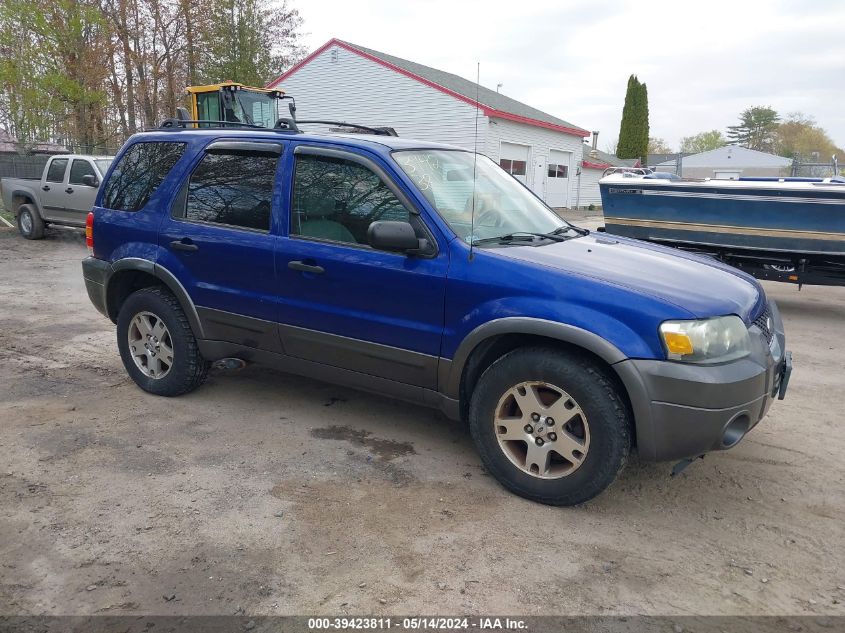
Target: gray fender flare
column 451, row 372
column 169, row 280
column 28, row 194
column 451, row 376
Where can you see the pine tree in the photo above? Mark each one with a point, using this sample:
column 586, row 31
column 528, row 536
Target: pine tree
column 756, row 129
column 633, row 132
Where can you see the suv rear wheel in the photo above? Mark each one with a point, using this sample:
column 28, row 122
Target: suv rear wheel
column 157, row 345
column 550, row 426
column 30, row 224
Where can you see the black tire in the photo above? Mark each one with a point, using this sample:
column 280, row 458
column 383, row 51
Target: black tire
column 30, row 224
column 589, row 386
column 189, row 369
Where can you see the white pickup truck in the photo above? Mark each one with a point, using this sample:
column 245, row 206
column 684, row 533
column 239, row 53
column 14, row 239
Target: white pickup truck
column 63, row 195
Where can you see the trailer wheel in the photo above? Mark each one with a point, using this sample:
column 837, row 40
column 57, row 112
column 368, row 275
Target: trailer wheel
column 30, row 223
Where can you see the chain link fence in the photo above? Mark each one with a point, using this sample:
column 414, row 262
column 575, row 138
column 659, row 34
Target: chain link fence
column 817, row 169
column 22, row 166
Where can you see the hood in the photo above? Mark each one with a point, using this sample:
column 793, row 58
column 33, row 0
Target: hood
column 700, row 285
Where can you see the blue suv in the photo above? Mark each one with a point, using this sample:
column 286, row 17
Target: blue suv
column 426, row 273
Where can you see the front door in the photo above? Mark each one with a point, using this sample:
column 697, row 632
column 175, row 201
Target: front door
column 79, row 195
column 218, row 242
column 343, row 303
column 53, row 194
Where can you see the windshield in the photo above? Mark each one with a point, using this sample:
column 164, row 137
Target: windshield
column 502, row 204
column 103, row 164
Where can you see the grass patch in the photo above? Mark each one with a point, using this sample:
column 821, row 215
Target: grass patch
column 6, row 215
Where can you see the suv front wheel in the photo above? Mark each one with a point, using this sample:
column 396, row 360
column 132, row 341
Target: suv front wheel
column 550, row 426
column 157, row 345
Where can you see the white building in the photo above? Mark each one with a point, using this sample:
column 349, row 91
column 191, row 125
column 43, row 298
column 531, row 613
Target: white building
column 730, row 162
column 346, row 82
column 592, row 167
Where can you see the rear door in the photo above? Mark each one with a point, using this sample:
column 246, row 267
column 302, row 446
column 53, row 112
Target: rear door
column 219, row 243
column 80, row 196
column 53, row 195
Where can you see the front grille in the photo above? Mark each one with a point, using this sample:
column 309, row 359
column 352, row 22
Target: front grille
column 763, row 322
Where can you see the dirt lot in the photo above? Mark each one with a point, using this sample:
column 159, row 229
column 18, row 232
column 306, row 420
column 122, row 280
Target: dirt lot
column 278, row 495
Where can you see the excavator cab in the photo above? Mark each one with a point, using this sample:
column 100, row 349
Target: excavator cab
column 234, row 103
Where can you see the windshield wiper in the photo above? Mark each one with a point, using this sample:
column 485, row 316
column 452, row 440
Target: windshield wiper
column 571, row 227
column 243, row 110
column 520, row 236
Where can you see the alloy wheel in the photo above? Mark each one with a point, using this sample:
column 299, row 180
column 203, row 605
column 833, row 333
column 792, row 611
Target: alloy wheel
column 26, row 222
column 150, row 345
column 542, row 430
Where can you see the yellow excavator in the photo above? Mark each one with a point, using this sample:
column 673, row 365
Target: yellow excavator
column 231, row 104
column 235, row 103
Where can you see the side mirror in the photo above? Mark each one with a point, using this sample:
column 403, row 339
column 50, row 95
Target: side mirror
column 90, row 181
column 393, row 236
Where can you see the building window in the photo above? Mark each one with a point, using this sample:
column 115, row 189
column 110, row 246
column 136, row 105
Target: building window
column 513, row 167
column 558, row 171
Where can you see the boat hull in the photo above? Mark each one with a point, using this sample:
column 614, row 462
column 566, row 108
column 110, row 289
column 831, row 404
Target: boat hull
column 799, row 221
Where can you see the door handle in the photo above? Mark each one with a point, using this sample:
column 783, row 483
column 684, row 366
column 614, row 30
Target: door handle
column 46, row 188
column 184, row 245
column 306, row 268
column 69, row 190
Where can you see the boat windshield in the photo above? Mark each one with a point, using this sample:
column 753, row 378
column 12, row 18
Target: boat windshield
column 502, row 205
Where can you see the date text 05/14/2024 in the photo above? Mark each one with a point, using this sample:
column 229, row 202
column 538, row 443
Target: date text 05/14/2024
column 416, row 623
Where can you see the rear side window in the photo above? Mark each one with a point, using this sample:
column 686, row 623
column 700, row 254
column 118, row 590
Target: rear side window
column 234, row 188
column 138, row 174
column 78, row 169
column 56, row 172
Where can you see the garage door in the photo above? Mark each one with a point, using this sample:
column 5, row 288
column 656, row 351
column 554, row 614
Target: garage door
column 726, row 175
column 557, row 182
column 514, row 159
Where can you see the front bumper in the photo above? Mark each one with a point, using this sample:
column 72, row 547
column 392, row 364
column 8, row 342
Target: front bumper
column 684, row 410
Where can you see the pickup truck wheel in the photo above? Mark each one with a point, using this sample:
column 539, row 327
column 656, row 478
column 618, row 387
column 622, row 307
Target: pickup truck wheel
column 157, row 345
column 550, row 426
column 30, row 223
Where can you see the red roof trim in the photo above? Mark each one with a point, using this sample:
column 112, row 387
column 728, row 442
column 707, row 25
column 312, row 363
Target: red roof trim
column 488, row 111
column 590, row 165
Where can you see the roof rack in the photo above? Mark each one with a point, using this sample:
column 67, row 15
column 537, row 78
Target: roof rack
column 182, row 123
column 378, row 131
column 283, row 124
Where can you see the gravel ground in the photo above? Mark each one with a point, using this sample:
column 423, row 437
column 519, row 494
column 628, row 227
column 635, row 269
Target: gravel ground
column 270, row 494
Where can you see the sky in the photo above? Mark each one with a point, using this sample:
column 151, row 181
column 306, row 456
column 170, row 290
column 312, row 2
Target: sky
column 703, row 62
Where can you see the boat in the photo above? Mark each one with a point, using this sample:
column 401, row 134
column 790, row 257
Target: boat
column 784, row 229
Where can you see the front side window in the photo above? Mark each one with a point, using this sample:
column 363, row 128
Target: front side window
column 142, row 168
column 234, row 188
column 489, row 204
column 78, row 169
column 56, row 172
column 336, row 199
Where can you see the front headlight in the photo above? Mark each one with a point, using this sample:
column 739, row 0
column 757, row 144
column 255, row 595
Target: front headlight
column 705, row 340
